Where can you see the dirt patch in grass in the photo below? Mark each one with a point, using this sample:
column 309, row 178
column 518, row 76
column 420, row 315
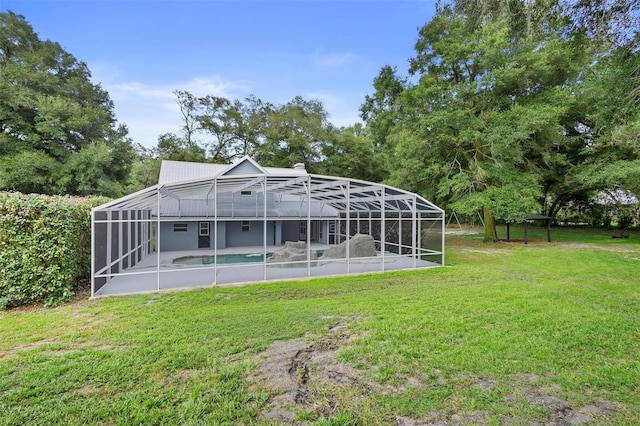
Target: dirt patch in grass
column 607, row 247
column 57, row 351
column 28, row 346
column 307, row 380
column 527, row 388
column 297, row 370
column 290, row 366
column 559, row 412
column 436, row 418
column 532, row 389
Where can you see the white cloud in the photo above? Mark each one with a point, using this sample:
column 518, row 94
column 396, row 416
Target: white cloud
column 150, row 110
column 324, row 59
column 342, row 111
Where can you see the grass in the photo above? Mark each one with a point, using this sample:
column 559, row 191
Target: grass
column 483, row 340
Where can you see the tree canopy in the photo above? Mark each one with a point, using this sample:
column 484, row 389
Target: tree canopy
column 58, row 133
column 220, row 130
column 500, row 112
column 509, row 107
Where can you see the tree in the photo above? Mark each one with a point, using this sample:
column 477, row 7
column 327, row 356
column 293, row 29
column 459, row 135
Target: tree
column 215, row 129
column 382, row 111
column 173, row 147
column 350, row 152
column 294, row 133
column 486, row 122
column 50, row 110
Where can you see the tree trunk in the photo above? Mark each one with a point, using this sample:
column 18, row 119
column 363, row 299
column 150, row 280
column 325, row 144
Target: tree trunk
column 490, row 233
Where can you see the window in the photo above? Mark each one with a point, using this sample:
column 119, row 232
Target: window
column 245, row 192
column 203, row 229
column 180, row 227
column 303, row 228
column 246, row 226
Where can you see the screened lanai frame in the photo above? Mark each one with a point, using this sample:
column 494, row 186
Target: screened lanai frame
column 126, row 242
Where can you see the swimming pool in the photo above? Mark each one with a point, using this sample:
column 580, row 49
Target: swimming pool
column 223, row 259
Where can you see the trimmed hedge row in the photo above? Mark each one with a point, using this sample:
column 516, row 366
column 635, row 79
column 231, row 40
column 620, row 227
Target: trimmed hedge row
column 45, row 247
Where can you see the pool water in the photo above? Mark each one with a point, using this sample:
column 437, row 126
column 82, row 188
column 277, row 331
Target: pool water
column 222, row 259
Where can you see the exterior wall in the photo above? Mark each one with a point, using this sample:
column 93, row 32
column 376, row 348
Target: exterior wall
column 173, row 241
column 221, row 235
column 291, row 231
column 244, row 168
column 230, row 234
column 170, row 240
column 236, row 237
column 278, row 233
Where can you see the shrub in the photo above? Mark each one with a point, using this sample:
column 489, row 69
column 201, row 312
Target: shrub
column 45, row 246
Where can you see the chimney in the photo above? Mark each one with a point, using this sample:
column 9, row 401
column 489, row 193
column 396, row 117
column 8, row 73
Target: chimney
column 299, row 166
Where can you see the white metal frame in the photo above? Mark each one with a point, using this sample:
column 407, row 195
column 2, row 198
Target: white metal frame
column 318, row 197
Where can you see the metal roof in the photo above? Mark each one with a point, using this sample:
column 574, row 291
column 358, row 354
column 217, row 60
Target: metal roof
column 178, row 171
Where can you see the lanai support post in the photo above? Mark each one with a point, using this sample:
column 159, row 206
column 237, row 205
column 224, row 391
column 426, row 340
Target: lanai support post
column 93, row 253
column 158, row 243
column 413, row 232
column 348, row 224
column 526, row 239
column 383, row 213
column 109, row 257
column 442, row 234
column 215, row 227
column 419, row 251
column 264, row 227
column 308, row 226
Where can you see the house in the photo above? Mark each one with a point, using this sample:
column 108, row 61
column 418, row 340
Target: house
column 205, row 224
column 242, row 209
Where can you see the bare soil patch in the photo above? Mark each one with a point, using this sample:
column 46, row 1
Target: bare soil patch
column 69, row 348
column 606, row 247
column 297, row 369
column 525, row 387
column 290, row 366
column 28, row 346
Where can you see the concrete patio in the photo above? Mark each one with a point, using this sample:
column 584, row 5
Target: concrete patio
column 146, row 276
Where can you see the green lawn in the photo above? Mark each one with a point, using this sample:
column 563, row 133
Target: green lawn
column 505, row 334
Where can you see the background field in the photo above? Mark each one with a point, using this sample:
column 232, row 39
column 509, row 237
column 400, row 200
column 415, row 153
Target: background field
column 505, row 334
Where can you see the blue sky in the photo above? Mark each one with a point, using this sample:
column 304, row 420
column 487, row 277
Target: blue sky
column 140, row 51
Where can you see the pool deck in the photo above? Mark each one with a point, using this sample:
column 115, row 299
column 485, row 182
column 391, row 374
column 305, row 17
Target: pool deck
column 147, row 276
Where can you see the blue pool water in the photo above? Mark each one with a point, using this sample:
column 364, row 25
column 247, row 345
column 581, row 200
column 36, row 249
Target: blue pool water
column 224, row 259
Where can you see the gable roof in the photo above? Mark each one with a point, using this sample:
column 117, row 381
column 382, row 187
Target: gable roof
column 179, row 171
column 245, row 166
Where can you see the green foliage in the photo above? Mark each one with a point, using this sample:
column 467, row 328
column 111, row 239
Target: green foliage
column 294, row 133
column 44, row 247
column 92, row 170
column 351, row 153
column 50, row 111
column 514, row 107
column 219, row 130
column 30, row 172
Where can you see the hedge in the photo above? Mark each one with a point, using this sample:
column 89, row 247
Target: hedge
column 45, row 247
